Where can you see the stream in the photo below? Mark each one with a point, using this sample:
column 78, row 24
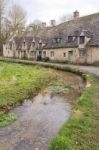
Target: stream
column 39, row 119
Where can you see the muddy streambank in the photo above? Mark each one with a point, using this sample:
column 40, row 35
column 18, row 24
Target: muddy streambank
column 40, row 118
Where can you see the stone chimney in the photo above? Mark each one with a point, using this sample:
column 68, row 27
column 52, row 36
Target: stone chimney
column 43, row 24
column 76, row 14
column 53, row 23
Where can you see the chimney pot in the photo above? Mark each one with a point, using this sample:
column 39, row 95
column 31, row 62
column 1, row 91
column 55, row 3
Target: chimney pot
column 43, row 24
column 53, row 23
column 76, row 14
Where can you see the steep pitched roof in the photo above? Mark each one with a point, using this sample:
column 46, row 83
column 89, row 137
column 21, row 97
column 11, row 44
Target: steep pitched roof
column 88, row 24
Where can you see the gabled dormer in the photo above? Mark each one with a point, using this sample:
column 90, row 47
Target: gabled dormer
column 73, row 36
column 84, row 38
column 33, row 43
column 40, row 44
column 24, row 45
column 56, row 40
column 70, row 39
column 13, row 45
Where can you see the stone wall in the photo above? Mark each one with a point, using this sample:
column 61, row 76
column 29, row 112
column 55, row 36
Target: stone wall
column 7, row 52
column 62, row 54
column 92, row 55
column 72, row 55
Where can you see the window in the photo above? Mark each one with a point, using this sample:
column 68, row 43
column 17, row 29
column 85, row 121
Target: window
column 52, row 54
column 58, row 40
column 44, row 54
column 24, row 43
column 33, row 53
column 40, row 45
column 70, row 39
column 10, row 46
column 64, row 54
column 82, row 39
column 82, row 53
column 40, row 53
column 33, row 44
column 70, row 53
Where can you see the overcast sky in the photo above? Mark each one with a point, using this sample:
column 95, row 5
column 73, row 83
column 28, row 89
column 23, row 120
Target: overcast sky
column 46, row 10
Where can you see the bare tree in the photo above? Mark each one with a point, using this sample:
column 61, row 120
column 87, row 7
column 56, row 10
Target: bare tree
column 6, row 26
column 35, row 27
column 2, row 13
column 17, row 18
column 65, row 18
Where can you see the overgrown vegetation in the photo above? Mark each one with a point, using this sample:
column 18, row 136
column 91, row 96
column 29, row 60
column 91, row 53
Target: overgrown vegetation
column 81, row 131
column 5, row 119
column 18, row 82
column 59, row 87
column 65, row 85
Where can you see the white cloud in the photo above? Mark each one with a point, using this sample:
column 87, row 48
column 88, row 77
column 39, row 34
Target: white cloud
column 53, row 9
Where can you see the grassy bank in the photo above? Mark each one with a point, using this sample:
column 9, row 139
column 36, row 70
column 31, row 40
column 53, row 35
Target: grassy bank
column 18, row 82
column 81, row 131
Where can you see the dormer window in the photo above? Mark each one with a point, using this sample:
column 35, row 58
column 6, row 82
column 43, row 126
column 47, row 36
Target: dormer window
column 24, row 43
column 10, row 46
column 33, row 43
column 40, row 42
column 58, row 40
column 82, row 39
column 70, row 39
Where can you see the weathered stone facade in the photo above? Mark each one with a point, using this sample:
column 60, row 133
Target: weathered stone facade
column 75, row 41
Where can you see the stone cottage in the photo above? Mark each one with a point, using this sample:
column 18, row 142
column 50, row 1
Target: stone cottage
column 75, row 41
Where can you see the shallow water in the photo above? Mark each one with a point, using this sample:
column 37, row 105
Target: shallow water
column 38, row 121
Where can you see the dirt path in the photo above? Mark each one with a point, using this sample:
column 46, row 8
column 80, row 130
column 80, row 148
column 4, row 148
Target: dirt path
column 94, row 70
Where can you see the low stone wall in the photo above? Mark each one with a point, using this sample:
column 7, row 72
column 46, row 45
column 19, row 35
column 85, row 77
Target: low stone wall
column 61, row 67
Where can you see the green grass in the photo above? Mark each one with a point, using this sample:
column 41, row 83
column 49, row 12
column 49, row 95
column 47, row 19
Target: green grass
column 81, row 131
column 18, row 82
column 6, row 119
column 59, row 87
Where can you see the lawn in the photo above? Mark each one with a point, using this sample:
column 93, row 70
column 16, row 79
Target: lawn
column 18, row 82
